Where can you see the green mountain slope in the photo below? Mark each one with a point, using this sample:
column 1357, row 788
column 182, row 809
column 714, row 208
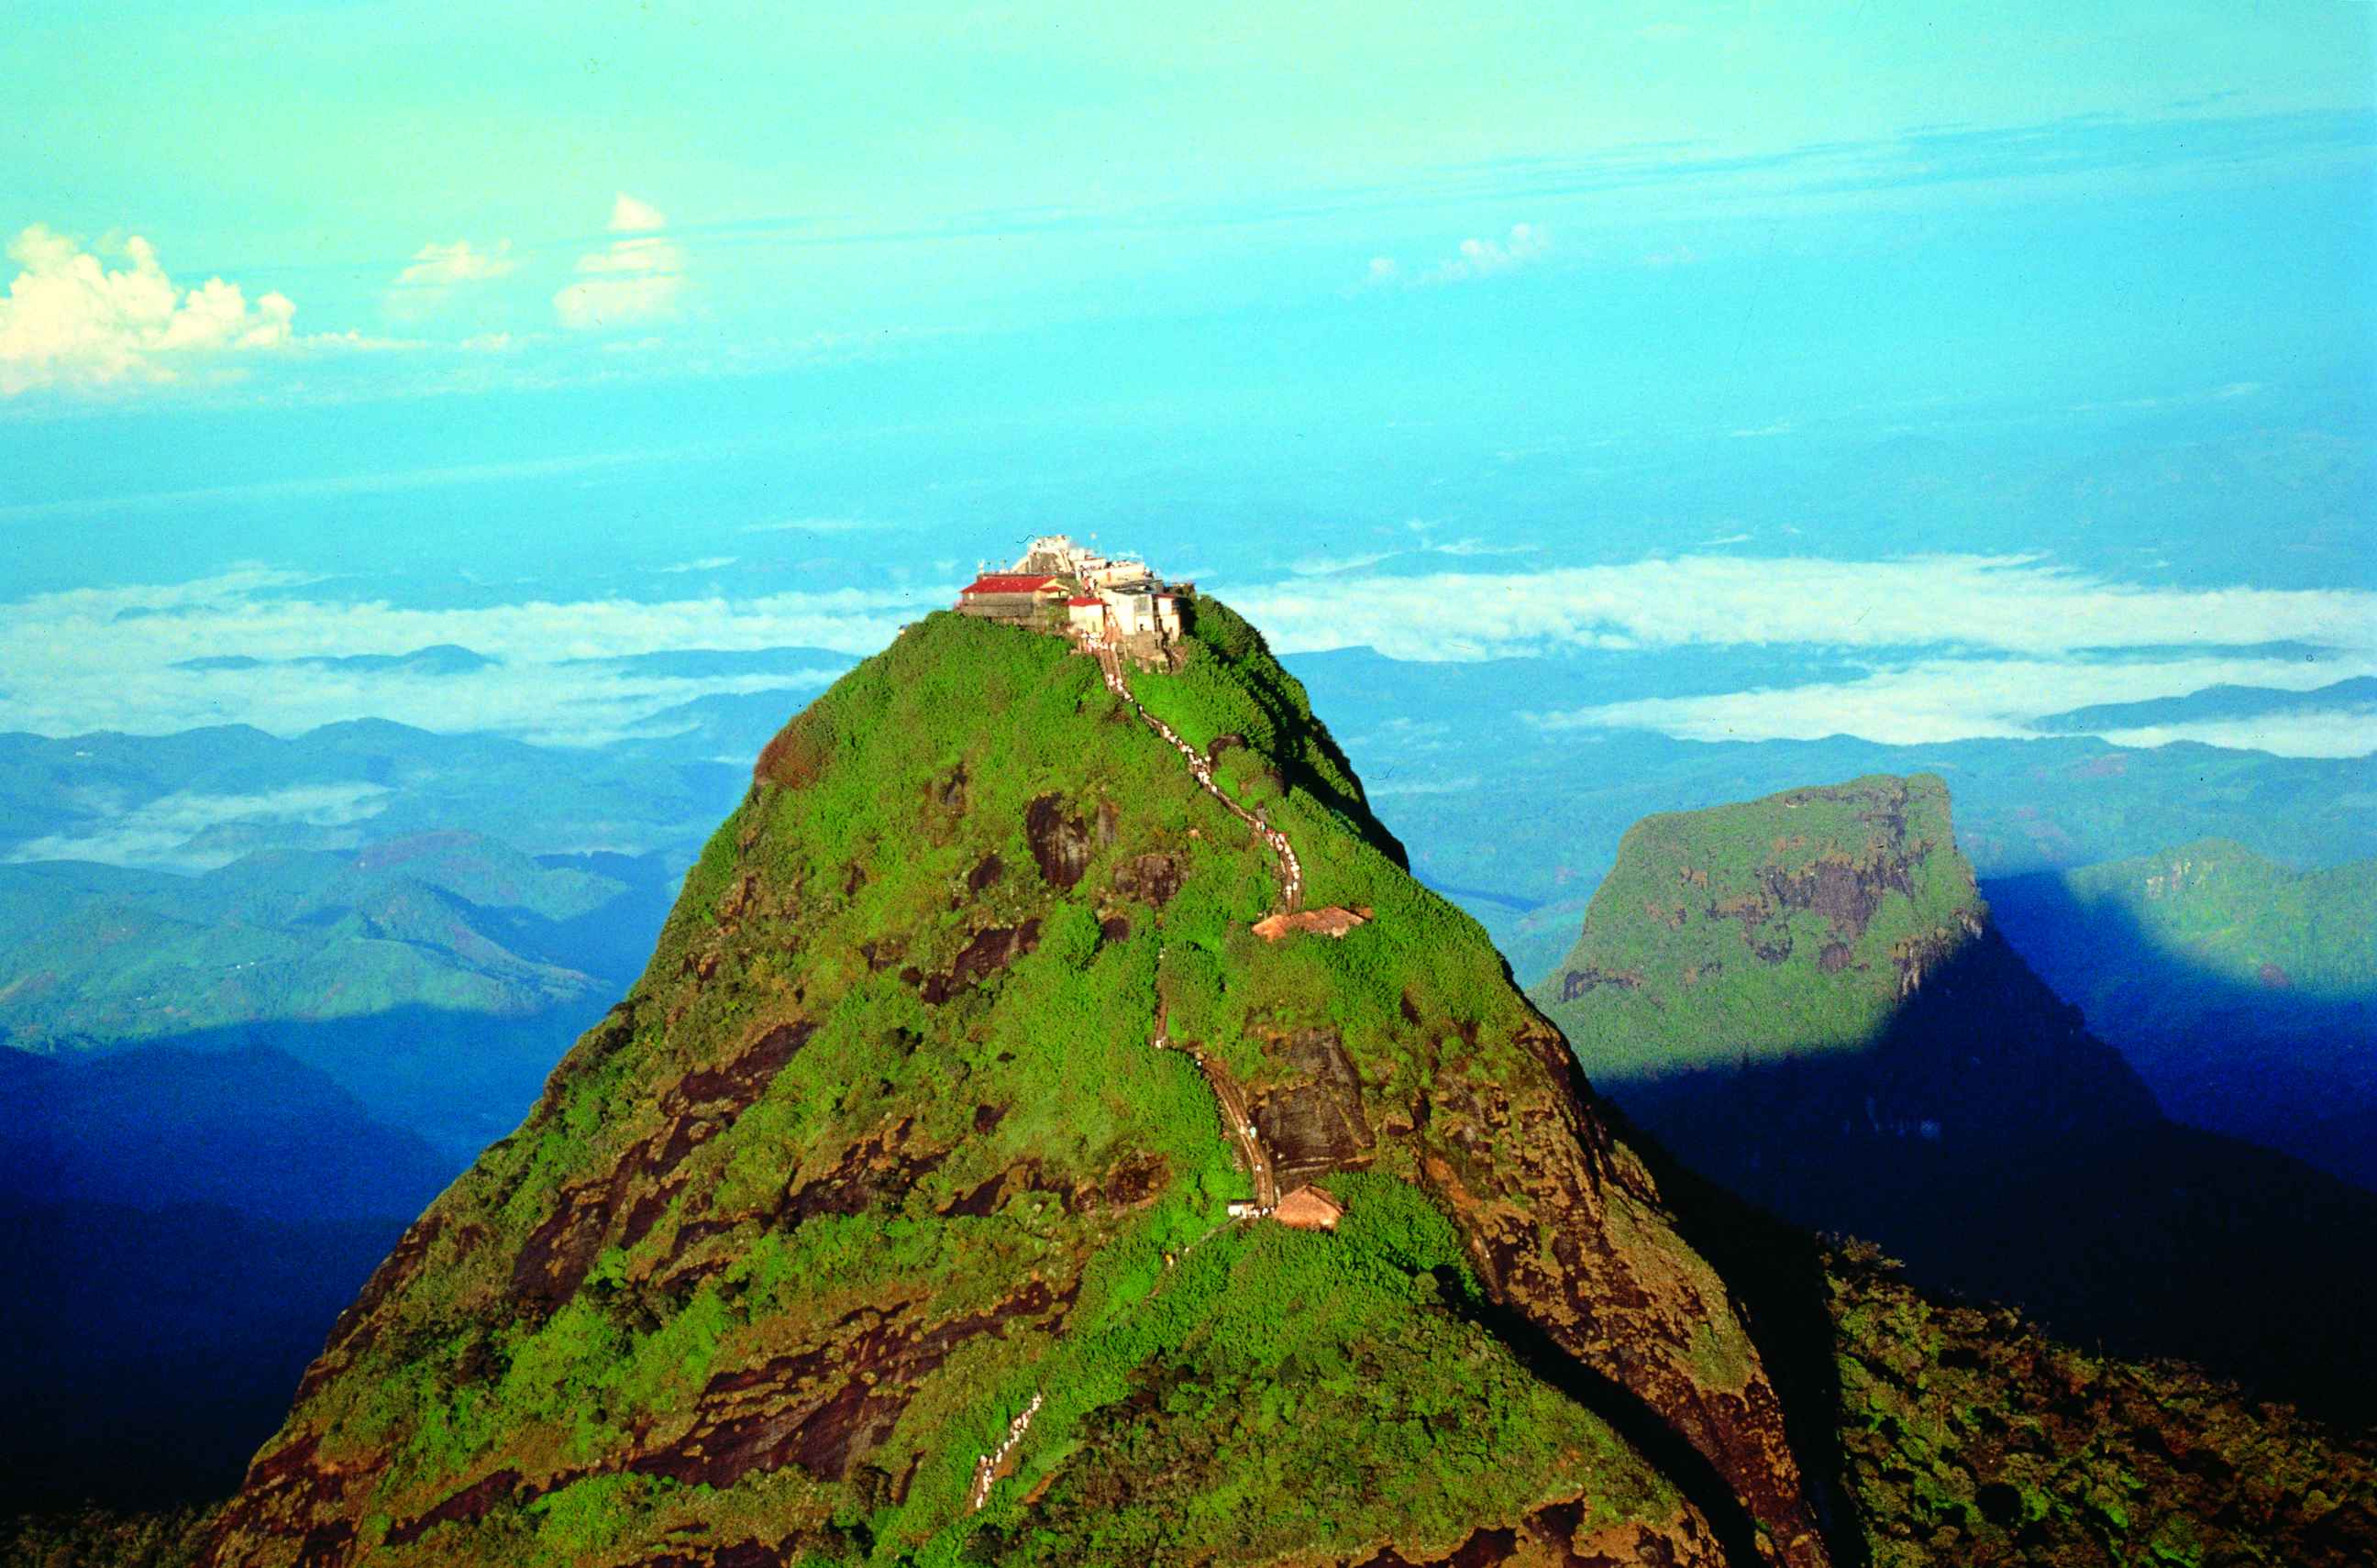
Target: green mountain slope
column 888, row 1218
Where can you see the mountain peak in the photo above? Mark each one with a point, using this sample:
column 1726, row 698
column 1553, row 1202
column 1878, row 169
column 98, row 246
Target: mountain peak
column 915, row 1201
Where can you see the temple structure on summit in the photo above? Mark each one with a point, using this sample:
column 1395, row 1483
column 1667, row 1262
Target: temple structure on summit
column 1062, row 588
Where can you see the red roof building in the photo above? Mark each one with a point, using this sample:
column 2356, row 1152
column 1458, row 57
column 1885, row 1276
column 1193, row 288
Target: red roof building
column 1007, row 582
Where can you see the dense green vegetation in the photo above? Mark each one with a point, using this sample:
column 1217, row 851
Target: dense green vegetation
column 879, row 1158
column 1288, row 1394
column 971, row 1146
column 97, row 1538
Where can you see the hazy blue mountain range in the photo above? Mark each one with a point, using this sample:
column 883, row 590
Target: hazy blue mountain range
column 2214, row 702
column 439, row 659
column 204, row 798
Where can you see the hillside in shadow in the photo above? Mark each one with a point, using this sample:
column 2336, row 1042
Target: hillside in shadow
column 1949, row 1142
column 2250, row 1050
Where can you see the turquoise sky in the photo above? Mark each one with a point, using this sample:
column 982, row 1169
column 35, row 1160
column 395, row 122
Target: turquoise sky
column 348, row 327
column 935, row 169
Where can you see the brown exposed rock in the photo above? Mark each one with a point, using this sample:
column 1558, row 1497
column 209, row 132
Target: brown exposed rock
column 2274, row 977
column 1060, row 843
column 881, row 1168
column 1135, row 1182
column 633, row 1195
column 1556, row 1536
column 1582, row 981
column 992, row 950
column 822, row 1407
column 1313, row 1121
column 985, row 872
column 796, row 758
column 1151, row 878
column 467, row 1506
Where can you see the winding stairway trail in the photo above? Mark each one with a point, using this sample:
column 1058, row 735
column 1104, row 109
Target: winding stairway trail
column 1237, row 1117
column 1200, row 767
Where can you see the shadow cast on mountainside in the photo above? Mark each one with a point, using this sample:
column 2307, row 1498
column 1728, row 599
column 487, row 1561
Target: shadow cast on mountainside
column 2267, row 1060
column 1985, row 1138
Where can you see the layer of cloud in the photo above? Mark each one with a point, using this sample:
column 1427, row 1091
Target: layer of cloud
column 68, row 319
column 2009, row 604
column 1959, row 647
column 636, row 277
column 1526, row 245
column 1929, row 701
column 440, row 266
column 172, row 833
column 94, row 659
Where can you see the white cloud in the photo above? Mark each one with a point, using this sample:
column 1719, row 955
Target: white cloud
column 707, row 563
column 1933, row 700
column 635, row 278
column 168, row 834
column 1780, row 428
column 2307, row 731
column 67, row 320
column 1527, row 243
column 79, row 663
column 442, row 266
column 2009, row 604
column 1677, row 256
column 437, row 271
column 1324, row 566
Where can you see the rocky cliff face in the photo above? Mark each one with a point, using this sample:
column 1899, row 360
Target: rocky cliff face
column 1827, row 947
column 888, row 1218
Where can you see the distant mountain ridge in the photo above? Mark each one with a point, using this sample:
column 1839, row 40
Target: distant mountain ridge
column 1806, row 999
column 2213, row 702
